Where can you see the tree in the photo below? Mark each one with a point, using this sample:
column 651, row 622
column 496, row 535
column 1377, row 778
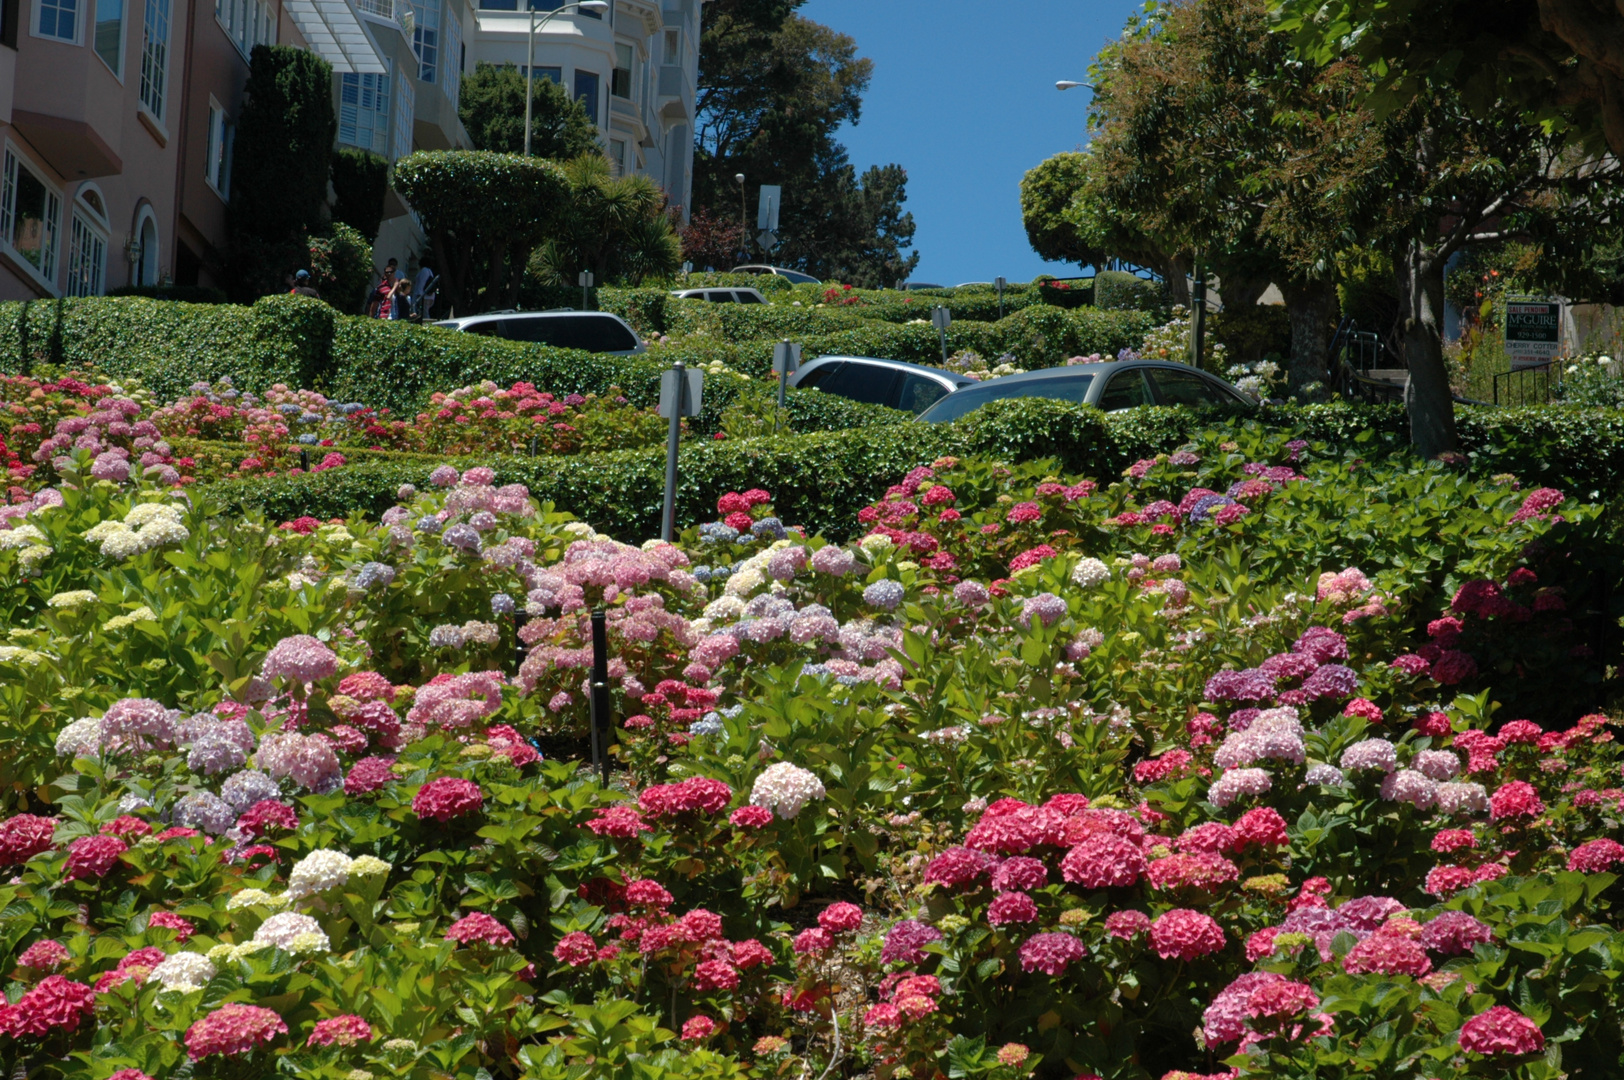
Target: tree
column 360, row 182
column 774, row 90
column 1047, row 191
column 280, row 166
column 485, row 212
column 492, row 109
column 618, row 228
column 711, row 241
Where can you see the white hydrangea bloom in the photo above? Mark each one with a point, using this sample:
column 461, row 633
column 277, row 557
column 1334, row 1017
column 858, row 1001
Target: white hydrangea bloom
column 72, row 598
column 746, row 581
column 184, row 972
column 317, row 872
column 785, row 789
column 246, row 898
column 20, row 536
column 876, row 545
column 1090, row 572
column 82, row 738
column 146, row 513
column 284, row 928
column 121, row 544
column 724, row 609
column 368, row 865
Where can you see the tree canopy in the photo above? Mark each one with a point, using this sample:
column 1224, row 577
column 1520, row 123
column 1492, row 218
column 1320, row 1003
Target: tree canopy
column 492, row 109
column 618, row 228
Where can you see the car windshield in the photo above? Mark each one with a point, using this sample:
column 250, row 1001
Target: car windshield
column 797, row 278
column 1071, row 387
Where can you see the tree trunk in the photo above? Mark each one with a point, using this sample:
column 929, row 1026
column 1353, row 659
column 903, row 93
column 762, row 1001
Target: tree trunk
column 1176, row 272
column 1312, row 307
column 1239, row 292
column 1427, row 397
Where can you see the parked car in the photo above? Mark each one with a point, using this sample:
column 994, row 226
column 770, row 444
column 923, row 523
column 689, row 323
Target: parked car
column 1108, row 385
column 794, row 277
column 910, row 387
column 721, row 296
column 910, row 286
column 593, row 331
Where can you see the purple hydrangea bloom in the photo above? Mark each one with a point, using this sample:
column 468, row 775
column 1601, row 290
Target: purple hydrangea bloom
column 884, row 594
column 906, row 942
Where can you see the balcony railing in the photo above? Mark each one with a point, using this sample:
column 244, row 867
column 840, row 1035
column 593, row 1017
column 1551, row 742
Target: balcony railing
column 399, row 12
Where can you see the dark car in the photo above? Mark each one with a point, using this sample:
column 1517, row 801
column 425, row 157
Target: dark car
column 910, row 387
column 1109, row 385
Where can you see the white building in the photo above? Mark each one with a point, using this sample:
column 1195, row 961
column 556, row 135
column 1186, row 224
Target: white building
column 634, row 69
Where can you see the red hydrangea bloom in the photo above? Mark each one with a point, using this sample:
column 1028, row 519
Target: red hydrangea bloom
column 93, row 856
column 647, row 893
column 1260, row 944
column 1444, row 880
column 575, row 949
column 1363, row 709
column 141, row 961
column 1051, row 953
column 1537, row 503
column 716, row 975
column 959, row 867
column 699, row 926
column 268, row 814
column 1451, row 840
column 1208, row 838
column 699, row 794
column 838, row 918
column 906, row 941
column 1516, row 799
column 1185, row 935
column 1455, row 933
column 447, row 797
column 129, row 1074
column 1596, row 856
column 54, row 1003
column 751, row 817
column 1192, row 870
column 1521, row 732
column 750, row 953
column 170, row 921
column 1262, row 826
column 883, row 1016
column 47, row 955
column 1104, row 861
column 1160, row 768
column 1501, row 1030
column 1454, row 666
column 1433, row 724
column 1281, row 1000
column 367, row 686
column 623, row 822
column 368, row 775
column 1017, row 830
column 233, row 1029
column 815, row 940
column 1383, row 954
column 1020, row 874
column 346, row 1030
column 1126, row 924
column 125, row 826
column 1012, row 907
column 23, row 836
column 698, row 1028
column 479, row 927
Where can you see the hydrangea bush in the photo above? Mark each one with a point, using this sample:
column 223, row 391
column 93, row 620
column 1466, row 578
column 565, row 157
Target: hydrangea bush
column 1193, row 773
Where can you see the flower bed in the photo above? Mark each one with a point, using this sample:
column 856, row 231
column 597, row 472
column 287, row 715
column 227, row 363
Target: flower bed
column 1199, row 768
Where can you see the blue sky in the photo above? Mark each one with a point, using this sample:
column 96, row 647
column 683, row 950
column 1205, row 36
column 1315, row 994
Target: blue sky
column 963, row 98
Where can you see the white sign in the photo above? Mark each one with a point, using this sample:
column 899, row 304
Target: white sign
column 692, row 386
column 584, row 279
column 940, row 317
column 786, row 358
column 1533, row 332
column 767, row 209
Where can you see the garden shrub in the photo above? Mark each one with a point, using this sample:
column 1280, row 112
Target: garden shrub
column 1118, row 289
column 360, row 180
column 1251, row 333
column 185, row 294
column 341, row 266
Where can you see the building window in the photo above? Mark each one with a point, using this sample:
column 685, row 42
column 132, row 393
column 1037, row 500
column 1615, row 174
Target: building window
column 59, row 19
column 29, row 216
column 426, row 38
column 586, row 92
column 617, row 156
column 87, row 257
column 673, row 46
column 363, row 111
column 147, row 254
column 620, row 80
column 405, row 106
column 217, row 166
column 554, row 74
column 453, row 51
column 246, row 22
column 11, row 12
column 155, row 57
column 110, row 34
column 500, row 5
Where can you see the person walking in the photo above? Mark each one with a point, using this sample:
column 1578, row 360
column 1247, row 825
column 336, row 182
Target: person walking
column 382, row 294
column 302, row 285
column 402, row 304
column 423, row 287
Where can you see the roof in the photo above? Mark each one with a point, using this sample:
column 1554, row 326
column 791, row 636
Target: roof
column 955, row 377
column 1103, row 367
column 335, row 34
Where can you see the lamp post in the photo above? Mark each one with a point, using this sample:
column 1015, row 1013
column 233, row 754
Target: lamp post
column 1072, row 84
column 597, row 7
column 744, row 231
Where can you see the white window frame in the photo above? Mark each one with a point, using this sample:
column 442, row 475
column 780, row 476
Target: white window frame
column 11, row 159
column 378, row 126
column 37, row 22
column 427, row 38
column 451, row 80
column 246, row 23
column 123, row 35
column 221, row 138
column 138, row 272
column 154, row 93
column 88, row 234
column 404, row 109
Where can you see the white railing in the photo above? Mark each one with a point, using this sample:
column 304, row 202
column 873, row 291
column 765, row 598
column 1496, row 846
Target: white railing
column 399, row 12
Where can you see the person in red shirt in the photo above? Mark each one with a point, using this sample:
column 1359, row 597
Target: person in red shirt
column 380, row 304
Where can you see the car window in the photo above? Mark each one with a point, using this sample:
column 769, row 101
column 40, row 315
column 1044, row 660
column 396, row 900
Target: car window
column 797, row 278
column 493, row 328
column 1126, row 390
column 745, row 296
column 719, row 296
column 818, row 374
column 919, row 392
column 591, row 332
column 870, row 383
column 1187, row 388
column 970, row 398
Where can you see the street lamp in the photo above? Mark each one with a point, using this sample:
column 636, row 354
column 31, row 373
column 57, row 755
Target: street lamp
column 744, row 232
column 1071, row 84
column 596, row 7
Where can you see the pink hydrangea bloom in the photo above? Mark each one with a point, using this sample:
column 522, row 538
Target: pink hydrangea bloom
column 1384, row 954
column 23, row 836
column 346, row 1030
column 1126, row 924
column 233, row 1029
column 1051, row 953
column 1185, row 935
column 1012, row 907
column 481, row 928
column 1596, row 856
column 300, row 658
column 1501, row 1030
column 1516, row 799
column 93, row 856
column 576, row 949
column 1104, row 861
column 840, row 917
column 447, row 797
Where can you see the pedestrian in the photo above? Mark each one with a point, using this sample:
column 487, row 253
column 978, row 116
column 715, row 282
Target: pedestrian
column 302, row 285
column 424, row 287
column 402, row 304
column 382, row 293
